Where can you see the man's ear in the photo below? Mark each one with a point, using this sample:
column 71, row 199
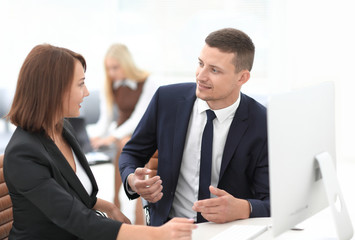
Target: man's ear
column 243, row 77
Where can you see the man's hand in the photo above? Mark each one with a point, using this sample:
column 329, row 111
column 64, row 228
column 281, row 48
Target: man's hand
column 224, row 208
column 150, row 189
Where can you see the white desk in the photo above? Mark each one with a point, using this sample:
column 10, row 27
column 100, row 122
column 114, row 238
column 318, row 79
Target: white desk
column 320, row 226
column 209, row 230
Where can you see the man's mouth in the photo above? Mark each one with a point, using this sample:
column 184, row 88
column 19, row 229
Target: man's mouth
column 203, row 86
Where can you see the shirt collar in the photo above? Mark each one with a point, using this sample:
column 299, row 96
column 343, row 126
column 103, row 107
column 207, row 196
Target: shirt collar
column 126, row 82
column 221, row 114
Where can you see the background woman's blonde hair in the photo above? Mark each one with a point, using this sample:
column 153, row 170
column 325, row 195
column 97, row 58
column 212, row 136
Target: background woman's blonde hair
column 121, row 53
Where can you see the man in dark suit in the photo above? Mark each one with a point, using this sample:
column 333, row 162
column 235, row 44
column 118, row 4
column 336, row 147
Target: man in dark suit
column 211, row 138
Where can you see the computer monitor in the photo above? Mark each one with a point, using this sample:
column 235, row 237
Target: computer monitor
column 301, row 134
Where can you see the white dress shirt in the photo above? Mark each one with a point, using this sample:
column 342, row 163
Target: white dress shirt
column 82, row 175
column 188, row 183
column 108, row 125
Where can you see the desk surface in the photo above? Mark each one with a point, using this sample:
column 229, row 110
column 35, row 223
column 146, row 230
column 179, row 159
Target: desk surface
column 209, row 230
column 320, row 226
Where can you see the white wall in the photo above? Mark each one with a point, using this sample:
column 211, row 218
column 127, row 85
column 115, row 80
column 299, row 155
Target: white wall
column 298, row 43
column 164, row 36
column 313, row 41
column 82, row 26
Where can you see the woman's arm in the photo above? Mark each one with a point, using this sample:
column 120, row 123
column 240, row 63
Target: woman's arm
column 101, row 128
column 111, row 210
column 98, row 138
column 28, row 173
column 177, row 228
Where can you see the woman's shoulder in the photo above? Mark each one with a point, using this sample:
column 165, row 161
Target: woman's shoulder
column 21, row 136
column 23, row 143
column 26, row 163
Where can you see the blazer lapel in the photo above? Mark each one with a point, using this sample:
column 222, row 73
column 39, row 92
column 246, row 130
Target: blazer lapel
column 182, row 120
column 81, row 157
column 236, row 131
column 64, row 167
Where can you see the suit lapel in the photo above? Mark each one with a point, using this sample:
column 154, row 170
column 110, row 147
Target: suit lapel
column 62, row 164
column 236, row 131
column 80, row 155
column 182, row 120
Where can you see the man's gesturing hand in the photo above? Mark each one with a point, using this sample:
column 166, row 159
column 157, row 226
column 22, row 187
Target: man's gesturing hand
column 224, row 208
column 150, row 189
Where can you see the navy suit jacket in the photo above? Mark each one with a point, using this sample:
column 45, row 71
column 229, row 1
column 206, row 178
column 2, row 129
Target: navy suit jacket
column 244, row 170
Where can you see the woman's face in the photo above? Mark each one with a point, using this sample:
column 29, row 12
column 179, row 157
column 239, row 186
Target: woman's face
column 76, row 94
column 114, row 69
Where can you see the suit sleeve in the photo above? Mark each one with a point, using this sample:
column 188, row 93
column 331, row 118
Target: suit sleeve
column 261, row 204
column 29, row 174
column 142, row 145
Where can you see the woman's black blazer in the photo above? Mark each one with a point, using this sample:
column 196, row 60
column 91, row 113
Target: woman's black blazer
column 49, row 201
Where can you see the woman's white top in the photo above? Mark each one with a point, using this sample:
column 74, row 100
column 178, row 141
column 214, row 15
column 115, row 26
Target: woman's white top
column 105, row 127
column 82, row 175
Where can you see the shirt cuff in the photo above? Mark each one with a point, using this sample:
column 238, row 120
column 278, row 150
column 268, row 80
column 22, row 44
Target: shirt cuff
column 129, row 189
column 251, row 207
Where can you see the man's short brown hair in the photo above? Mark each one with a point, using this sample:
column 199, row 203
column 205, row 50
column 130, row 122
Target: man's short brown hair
column 45, row 76
column 231, row 40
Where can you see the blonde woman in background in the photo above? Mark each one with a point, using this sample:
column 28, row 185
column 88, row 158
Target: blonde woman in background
column 130, row 89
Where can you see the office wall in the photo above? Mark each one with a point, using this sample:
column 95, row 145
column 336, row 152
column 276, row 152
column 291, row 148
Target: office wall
column 313, row 41
column 83, row 26
column 298, row 43
column 164, row 36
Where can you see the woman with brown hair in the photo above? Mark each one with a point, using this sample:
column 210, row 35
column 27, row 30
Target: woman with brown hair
column 129, row 89
column 52, row 188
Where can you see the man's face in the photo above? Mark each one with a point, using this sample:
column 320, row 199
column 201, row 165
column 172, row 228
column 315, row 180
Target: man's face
column 217, row 82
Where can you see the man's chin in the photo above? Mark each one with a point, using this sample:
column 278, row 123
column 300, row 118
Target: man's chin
column 202, row 96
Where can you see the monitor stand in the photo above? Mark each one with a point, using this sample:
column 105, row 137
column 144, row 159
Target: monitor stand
column 336, row 201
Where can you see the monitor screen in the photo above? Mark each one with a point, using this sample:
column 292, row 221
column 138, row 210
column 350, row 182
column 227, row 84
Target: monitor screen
column 300, row 126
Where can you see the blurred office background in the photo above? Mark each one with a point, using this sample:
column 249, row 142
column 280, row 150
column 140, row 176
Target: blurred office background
column 298, row 42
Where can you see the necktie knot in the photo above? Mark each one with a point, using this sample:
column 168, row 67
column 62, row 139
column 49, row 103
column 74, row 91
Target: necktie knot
column 210, row 115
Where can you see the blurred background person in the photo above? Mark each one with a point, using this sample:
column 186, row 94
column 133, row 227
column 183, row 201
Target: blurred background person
column 129, row 89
